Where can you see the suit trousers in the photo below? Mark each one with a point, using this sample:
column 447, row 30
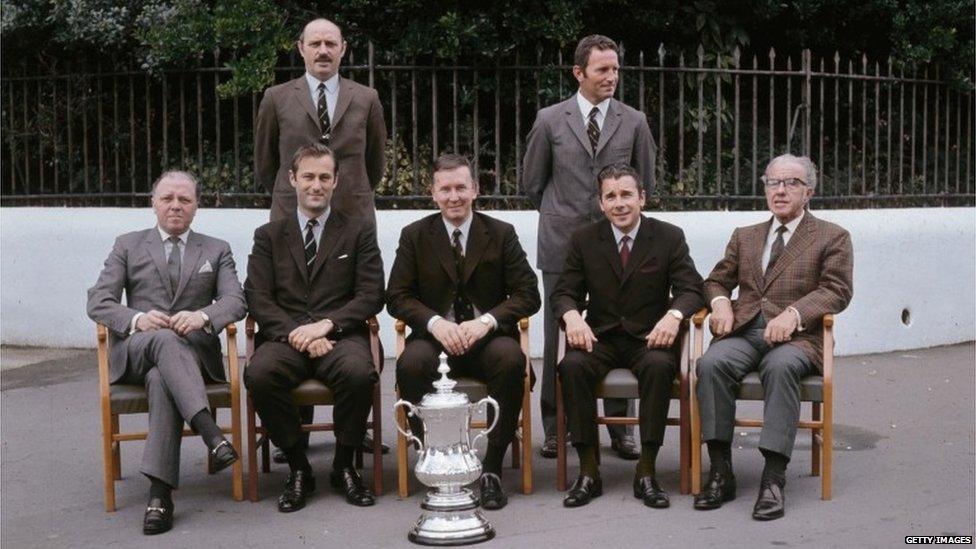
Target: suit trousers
column 276, row 368
column 581, row 371
column 496, row 360
column 612, row 407
column 780, row 367
column 168, row 366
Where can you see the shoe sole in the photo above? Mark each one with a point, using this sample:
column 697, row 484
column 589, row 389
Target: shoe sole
column 218, row 467
column 652, row 505
column 593, row 496
column 154, row 532
column 768, row 517
column 725, row 499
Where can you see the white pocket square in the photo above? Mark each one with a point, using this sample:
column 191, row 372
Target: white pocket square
column 343, row 256
column 207, row 268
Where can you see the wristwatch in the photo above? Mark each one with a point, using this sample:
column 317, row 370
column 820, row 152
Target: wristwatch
column 207, row 325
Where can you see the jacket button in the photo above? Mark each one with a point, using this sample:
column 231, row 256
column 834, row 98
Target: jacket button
column 764, row 300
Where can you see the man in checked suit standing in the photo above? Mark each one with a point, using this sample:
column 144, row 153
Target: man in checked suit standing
column 567, row 147
column 181, row 290
column 790, row 270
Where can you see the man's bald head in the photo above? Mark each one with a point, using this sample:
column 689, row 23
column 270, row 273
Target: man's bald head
column 315, row 23
column 322, row 47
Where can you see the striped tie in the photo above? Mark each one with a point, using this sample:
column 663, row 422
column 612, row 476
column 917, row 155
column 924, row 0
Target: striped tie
column 324, row 121
column 310, row 244
column 593, row 129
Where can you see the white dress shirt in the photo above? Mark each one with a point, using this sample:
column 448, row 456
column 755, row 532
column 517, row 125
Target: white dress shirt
column 317, row 230
column 331, row 91
column 585, row 108
column 167, row 249
column 465, row 228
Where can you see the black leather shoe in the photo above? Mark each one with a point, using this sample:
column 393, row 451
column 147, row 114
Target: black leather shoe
column 368, row 445
column 347, row 481
column 492, row 496
column 625, row 447
column 223, row 456
column 549, row 448
column 158, row 518
column 647, row 489
column 583, row 490
column 297, row 489
column 719, row 488
column 771, row 502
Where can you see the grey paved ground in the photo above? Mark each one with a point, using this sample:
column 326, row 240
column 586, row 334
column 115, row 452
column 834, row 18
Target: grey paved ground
column 903, row 466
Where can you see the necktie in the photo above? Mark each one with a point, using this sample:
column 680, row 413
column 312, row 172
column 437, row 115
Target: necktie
column 175, row 263
column 593, row 129
column 324, row 122
column 624, row 250
column 463, row 310
column 310, row 247
column 777, row 249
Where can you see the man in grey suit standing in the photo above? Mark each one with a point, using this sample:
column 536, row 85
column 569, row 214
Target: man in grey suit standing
column 181, row 290
column 568, row 145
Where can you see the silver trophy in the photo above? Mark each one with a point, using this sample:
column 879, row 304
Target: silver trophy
column 447, row 462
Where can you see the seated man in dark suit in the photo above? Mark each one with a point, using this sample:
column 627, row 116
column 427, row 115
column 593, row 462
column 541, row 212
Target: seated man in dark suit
column 640, row 282
column 181, row 290
column 790, row 270
column 313, row 280
column 462, row 282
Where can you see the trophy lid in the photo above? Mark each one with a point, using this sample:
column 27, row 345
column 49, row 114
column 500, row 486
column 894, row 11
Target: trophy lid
column 444, row 395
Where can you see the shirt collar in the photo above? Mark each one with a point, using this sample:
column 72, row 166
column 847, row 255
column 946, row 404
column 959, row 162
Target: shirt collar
column 331, row 85
column 165, row 235
column 303, row 219
column 465, row 227
column 790, row 227
column 618, row 234
column 585, row 106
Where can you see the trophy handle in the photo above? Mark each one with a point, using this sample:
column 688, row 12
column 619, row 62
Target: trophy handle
column 412, row 411
column 484, row 433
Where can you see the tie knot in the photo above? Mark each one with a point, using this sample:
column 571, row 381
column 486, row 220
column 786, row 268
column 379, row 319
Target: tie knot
column 625, row 239
column 321, row 87
column 174, row 239
column 782, row 229
column 311, row 224
column 456, row 234
column 594, row 111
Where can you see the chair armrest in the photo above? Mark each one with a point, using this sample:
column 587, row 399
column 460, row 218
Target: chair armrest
column 233, row 366
column 699, row 318
column 828, row 350
column 374, row 343
column 400, row 327
column 249, row 330
column 101, row 337
column 523, row 328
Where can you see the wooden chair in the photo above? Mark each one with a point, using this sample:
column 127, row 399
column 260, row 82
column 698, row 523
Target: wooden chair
column 312, row 392
column 121, row 399
column 476, row 390
column 816, row 389
column 621, row 383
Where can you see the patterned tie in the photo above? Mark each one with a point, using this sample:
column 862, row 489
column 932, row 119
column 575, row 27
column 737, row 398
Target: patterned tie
column 593, row 129
column 624, row 250
column 463, row 310
column 310, row 248
column 175, row 263
column 324, row 121
column 777, row 248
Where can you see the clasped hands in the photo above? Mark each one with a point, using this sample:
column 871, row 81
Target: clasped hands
column 579, row 335
column 182, row 322
column 778, row 330
column 311, row 338
column 458, row 339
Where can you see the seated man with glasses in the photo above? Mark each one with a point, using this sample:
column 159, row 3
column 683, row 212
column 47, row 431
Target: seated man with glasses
column 790, row 270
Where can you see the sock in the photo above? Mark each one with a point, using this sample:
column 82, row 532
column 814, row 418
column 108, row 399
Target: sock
column 343, row 456
column 719, row 451
column 587, row 459
column 159, row 489
column 203, row 423
column 494, row 458
column 775, row 468
column 645, row 466
column 297, row 460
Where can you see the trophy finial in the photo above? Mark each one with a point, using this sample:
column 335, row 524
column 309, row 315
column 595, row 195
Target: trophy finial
column 444, row 384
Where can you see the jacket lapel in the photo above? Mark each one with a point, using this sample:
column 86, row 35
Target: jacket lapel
column 755, row 244
column 296, row 244
column 478, row 240
column 304, row 98
column 191, row 256
column 330, row 236
column 154, row 245
column 610, row 124
column 608, row 246
column 798, row 242
column 442, row 246
column 639, row 249
column 342, row 104
column 575, row 121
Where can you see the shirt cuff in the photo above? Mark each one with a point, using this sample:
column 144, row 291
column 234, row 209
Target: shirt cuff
column 433, row 320
column 799, row 319
column 494, row 321
column 679, row 316
column 716, row 298
column 132, row 324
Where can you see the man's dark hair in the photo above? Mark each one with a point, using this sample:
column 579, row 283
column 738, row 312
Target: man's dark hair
column 452, row 161
column 616, row 171
column 313, row 150
column 586, row 45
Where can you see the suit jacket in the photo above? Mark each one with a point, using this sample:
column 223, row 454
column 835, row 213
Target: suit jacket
column 137, row 265
column 660, row 275
column 559, row 170
column 345, row 286
column 287, row 119
column 497, row 276
column 814, row 274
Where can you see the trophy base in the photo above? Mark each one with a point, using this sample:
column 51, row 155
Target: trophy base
column 451, row 519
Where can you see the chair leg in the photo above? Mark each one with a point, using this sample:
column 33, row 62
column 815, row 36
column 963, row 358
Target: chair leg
column 526, row 441
column 237, row 469
column 694, row 447
column 116, row 449
column 815, row 435
column 252, row 456
column 827, row 452
column 377, row 442
column 560, row 437
column 108, row 460
column 684, row 442
column 403, row 489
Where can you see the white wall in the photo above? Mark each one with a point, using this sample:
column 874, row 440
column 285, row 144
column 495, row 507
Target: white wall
column 922, row 260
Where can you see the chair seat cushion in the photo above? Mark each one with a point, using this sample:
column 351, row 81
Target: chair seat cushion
column 312, row 392
column 622, row 383
column 811, row 388
column 132, row 399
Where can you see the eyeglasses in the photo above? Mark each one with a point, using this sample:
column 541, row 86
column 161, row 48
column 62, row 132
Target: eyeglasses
column 792, row 183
